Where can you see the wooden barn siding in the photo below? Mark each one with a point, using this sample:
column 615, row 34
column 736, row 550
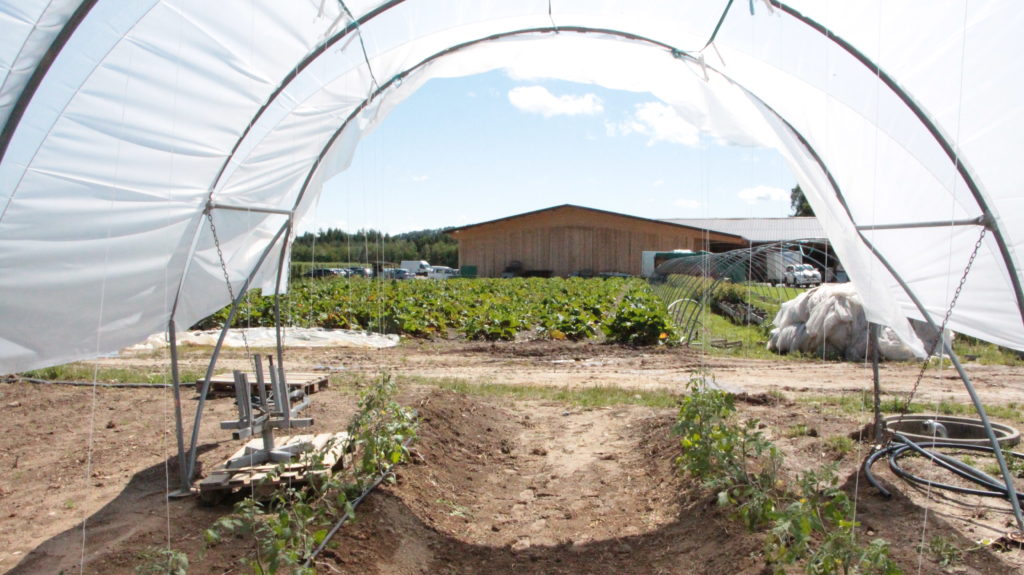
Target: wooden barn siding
column 567, row 240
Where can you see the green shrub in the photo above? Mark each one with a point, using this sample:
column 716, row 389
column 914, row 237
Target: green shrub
column 162, row 561
column 640, row 319
column 287, row 529
column 812, row 524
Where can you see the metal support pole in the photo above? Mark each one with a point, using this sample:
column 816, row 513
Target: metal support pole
column 261, row 384
column 1011, row 491
column 281, row 399
column 277, row 302
column 873, row 329
column 216, row 352
column 186, row 479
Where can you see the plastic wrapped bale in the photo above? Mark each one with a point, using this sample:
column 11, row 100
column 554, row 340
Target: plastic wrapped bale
column 829, row 320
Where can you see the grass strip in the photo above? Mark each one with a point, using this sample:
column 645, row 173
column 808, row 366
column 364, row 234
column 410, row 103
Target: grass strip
column 598, row 396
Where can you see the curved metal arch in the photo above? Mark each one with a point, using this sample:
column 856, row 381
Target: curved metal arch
column 291, row 76
column 29, row 91
column 962, row 169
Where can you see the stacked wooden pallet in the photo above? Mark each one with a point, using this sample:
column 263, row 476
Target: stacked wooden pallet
column 324, row 455
column 224, row 383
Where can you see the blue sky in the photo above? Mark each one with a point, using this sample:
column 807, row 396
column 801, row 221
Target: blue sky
column 467, row 150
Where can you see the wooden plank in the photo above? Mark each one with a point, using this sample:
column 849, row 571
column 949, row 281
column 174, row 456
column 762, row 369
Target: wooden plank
column 224, row 383
column 223, row 481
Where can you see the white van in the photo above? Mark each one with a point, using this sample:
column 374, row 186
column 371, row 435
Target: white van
column 415, row 267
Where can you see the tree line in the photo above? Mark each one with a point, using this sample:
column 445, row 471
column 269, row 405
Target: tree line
column 373, row 246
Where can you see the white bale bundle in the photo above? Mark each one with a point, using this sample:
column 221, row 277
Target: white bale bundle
column 829, row 320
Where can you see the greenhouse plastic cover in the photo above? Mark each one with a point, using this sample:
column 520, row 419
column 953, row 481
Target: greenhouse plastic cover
column 131, row 130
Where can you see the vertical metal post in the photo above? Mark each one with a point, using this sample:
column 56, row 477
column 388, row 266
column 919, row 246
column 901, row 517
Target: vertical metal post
column 261, row 383
column 873, row 329
column 204, row 390
column 243, row 397
column 281, row 399
column 186, row 479
column 277, row 298
column 217, row 348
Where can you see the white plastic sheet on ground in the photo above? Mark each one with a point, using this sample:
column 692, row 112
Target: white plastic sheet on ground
column 829, row 320
column 266, row 337
column 118, row 143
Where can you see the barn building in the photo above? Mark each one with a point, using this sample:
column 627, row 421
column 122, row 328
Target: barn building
column 568, row 239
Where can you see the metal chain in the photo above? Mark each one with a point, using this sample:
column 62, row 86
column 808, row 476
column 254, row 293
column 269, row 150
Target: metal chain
column 227, row 276
column 945, row 320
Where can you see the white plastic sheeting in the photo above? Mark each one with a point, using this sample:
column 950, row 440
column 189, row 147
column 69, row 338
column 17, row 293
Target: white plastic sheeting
column 829, row 320
column 267, row 337
column 124, row 122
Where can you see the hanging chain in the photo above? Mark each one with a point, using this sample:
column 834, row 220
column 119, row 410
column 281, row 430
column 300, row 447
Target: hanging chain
column 945, row 320
column 227, row 276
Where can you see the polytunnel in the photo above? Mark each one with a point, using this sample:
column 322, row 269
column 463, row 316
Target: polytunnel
column 152, row 151
column 140, row 141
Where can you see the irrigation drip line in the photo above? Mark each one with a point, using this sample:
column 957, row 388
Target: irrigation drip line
column 344, row 518
column 88, row 384
column 901, row 446
column 355, row 503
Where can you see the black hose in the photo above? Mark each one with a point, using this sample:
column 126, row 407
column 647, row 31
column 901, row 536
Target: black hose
column 344, row 518
column 902, row 445
column 992, row 490
column 355, row 503
column 89, row 384
column 950, row 463
column 871, row 459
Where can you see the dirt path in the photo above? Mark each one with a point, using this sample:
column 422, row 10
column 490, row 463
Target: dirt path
column 536, row 488
column 497, row 486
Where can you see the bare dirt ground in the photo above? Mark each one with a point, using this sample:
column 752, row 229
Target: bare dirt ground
column 496, row 485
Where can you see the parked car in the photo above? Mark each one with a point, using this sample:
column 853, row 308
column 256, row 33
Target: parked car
column 395, row 274
column 442, row 273
column 801, row 275
column 360, row 272
column 322, row 273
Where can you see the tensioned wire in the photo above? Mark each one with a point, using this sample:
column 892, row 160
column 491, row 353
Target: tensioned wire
column 115, row 192
column 870, row 350
column 949, row 266
column 168, row 299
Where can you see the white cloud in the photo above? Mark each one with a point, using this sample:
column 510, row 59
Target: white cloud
column 658, row 183
column 688, row 204
column 660, row 123
column 761, row 194
column 420, row 178
column 538, row 100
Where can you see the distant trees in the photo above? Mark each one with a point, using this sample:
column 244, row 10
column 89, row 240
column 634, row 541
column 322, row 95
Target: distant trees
column 372, row 246
column 798, row 203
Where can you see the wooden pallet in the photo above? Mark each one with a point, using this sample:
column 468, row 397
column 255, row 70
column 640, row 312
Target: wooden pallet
column 224, row 383
column 259, row 479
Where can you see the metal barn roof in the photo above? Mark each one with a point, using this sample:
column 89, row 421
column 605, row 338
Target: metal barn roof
column 760, row 230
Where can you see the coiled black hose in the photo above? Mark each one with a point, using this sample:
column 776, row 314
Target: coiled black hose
column 901, row 445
